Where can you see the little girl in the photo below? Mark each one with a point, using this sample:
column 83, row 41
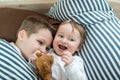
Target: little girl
column 68, row 41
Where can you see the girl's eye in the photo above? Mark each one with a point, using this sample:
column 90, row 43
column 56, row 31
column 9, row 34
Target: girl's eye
column 72, row 39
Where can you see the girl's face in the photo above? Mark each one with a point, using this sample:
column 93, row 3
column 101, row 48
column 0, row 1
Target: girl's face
column 37, row 41
column 66, row 39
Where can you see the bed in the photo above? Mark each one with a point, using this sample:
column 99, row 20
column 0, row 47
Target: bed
column 12, row 14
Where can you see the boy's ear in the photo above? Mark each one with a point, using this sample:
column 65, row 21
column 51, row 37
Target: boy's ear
column 21, row 34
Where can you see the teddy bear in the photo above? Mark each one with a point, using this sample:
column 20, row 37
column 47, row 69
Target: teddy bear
column 44, row 64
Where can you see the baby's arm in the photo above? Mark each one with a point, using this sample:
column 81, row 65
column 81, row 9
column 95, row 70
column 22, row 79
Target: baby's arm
column 67, row 57
column 75, row 71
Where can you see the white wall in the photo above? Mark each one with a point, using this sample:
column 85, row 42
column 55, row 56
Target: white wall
column 44, row 5
column 115, row 4
column 26, row 0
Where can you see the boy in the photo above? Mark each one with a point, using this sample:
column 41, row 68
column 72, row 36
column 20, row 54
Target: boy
column 35, row 34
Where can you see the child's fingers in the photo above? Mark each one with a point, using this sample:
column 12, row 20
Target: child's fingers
column 37, row 52
column 67, row 58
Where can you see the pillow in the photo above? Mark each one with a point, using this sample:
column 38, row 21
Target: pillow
column 11, row 19
column 101, row 50
column 12, row 64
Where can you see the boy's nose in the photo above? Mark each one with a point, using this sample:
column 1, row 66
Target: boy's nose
column 43, row 49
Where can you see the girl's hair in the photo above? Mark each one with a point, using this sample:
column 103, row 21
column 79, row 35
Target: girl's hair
column 81, row 30
column 34, row 23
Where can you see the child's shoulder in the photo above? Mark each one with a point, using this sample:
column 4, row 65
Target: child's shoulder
column 5, row 45
column 78, row 58
column 3, row 41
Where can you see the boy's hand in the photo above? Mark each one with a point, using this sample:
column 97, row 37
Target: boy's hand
column 33, row 58
column 67, row 57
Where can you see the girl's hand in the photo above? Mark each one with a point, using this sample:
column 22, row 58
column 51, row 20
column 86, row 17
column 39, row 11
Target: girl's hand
column 67, row 57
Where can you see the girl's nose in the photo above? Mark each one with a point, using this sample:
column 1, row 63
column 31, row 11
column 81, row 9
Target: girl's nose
column 64, row 40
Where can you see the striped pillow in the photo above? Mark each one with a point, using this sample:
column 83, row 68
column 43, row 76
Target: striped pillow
column 101, row 50
column 12, row 65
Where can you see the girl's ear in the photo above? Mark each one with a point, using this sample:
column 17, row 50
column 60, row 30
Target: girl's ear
column 21, row 34
column 78, row 49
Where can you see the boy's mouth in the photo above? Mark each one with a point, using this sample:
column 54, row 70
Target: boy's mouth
column 62, row 47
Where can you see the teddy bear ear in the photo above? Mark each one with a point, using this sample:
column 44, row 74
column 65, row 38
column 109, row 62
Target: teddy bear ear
column 52, row 59
column 38, row 54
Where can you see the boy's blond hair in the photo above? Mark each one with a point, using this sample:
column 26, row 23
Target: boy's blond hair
column 33, row 23
column 80, row 29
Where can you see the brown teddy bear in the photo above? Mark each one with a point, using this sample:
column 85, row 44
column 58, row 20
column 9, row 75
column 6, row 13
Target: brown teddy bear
column 44, row 64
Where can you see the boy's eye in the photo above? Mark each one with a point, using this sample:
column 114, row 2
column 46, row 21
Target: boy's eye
column 60, row 36
column 47, row 49
column 40, row 42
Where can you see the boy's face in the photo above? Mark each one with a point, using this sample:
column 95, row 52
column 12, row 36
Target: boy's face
column 66, row 39
column 38, row 41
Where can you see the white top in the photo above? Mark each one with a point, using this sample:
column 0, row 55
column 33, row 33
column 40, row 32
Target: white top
column 74, row 71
